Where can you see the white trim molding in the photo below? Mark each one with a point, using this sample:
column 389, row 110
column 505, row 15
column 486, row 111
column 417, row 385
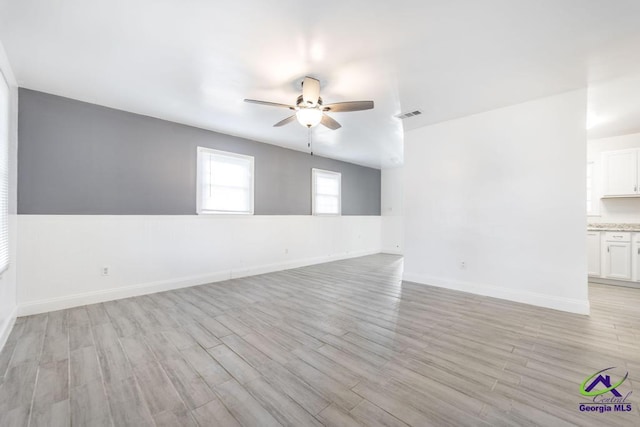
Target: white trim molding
column 391, row 251
column 8, row 291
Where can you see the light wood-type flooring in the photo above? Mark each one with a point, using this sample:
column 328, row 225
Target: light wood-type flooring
column 344, row 343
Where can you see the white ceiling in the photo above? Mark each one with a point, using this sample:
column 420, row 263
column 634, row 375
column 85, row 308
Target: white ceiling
column 193, row 61
column 614, row 107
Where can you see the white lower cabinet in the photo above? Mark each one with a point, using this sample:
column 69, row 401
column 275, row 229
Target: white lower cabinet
column 635, row 258
column 593, row 253
column 618, row 260
column 614, row 255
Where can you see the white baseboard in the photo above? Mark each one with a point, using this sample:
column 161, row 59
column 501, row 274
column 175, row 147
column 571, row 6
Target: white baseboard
column 542, row 300
column 391, row 251
column 7, row 326
column 287, row 265
column 69, row 301
column 613, row 282
column 94, row 297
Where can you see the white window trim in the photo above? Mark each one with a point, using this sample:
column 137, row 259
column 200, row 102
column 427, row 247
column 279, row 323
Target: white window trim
column 199, row 180
column 5, row 159
column 314, row 171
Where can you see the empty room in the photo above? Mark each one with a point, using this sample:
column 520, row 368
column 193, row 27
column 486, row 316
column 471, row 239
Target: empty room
column 286, row 213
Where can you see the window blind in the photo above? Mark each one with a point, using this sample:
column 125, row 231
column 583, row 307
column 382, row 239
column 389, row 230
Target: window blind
column 225, row 182
column 326, row 192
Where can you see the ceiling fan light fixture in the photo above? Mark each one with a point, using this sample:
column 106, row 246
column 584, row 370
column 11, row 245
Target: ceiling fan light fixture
column 310, row 110
column 309, row 117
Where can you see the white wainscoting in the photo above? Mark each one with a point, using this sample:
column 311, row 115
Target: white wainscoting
column 392, row 186
column 6, row 324
column 61, row 257
column 392, row 234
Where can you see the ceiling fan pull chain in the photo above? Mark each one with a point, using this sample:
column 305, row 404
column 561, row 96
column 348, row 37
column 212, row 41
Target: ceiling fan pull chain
column 309, row 142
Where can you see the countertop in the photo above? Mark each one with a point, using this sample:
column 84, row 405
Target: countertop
column 613, row 227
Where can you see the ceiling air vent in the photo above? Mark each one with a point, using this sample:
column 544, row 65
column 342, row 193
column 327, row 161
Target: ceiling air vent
column 408, row 114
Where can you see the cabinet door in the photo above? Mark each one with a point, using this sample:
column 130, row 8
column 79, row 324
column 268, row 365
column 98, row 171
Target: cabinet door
column 620, row 173
column 593, row 253
column 635, row 259
column 618, row 260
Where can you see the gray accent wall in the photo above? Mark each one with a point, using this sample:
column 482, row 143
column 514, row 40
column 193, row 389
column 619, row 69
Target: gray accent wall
column 80, row 158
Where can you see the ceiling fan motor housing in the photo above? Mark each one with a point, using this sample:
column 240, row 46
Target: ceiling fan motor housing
column 300, row 102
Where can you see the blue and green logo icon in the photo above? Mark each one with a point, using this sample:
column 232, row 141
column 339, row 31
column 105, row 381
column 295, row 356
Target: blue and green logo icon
column 602, row 388
column 588, row 387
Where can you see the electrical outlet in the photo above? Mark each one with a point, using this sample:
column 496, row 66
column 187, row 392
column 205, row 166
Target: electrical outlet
column 463, row 265
column 105, row 271
column 286, row 250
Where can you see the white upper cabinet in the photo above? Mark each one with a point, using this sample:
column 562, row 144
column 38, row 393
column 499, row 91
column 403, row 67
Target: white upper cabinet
column 621, row 173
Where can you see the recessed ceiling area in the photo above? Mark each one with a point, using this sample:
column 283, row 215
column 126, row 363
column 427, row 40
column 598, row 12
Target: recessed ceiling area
column 194, row 62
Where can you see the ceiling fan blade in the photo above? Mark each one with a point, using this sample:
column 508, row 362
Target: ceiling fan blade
column 329, row 122
column 270, row 104
column 310, row 91
column 340, row 107
column 285, row 121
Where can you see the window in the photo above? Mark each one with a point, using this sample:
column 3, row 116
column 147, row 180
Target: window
column 592, row 201
column 326, row 192
column 225, row 182
column 4, row 173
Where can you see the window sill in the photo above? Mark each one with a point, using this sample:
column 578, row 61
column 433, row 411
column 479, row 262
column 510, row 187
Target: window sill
column 212, row 213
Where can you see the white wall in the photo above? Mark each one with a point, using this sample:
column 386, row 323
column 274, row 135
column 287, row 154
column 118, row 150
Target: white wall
column 391, row 210
column 613, row 209
column 61, row 256
column 503, row 191
column 8, row 278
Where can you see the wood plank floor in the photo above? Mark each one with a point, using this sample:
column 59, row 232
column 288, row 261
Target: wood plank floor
column 344, row 343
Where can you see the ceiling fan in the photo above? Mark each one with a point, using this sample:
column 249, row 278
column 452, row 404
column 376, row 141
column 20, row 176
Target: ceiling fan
column 310, row 111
